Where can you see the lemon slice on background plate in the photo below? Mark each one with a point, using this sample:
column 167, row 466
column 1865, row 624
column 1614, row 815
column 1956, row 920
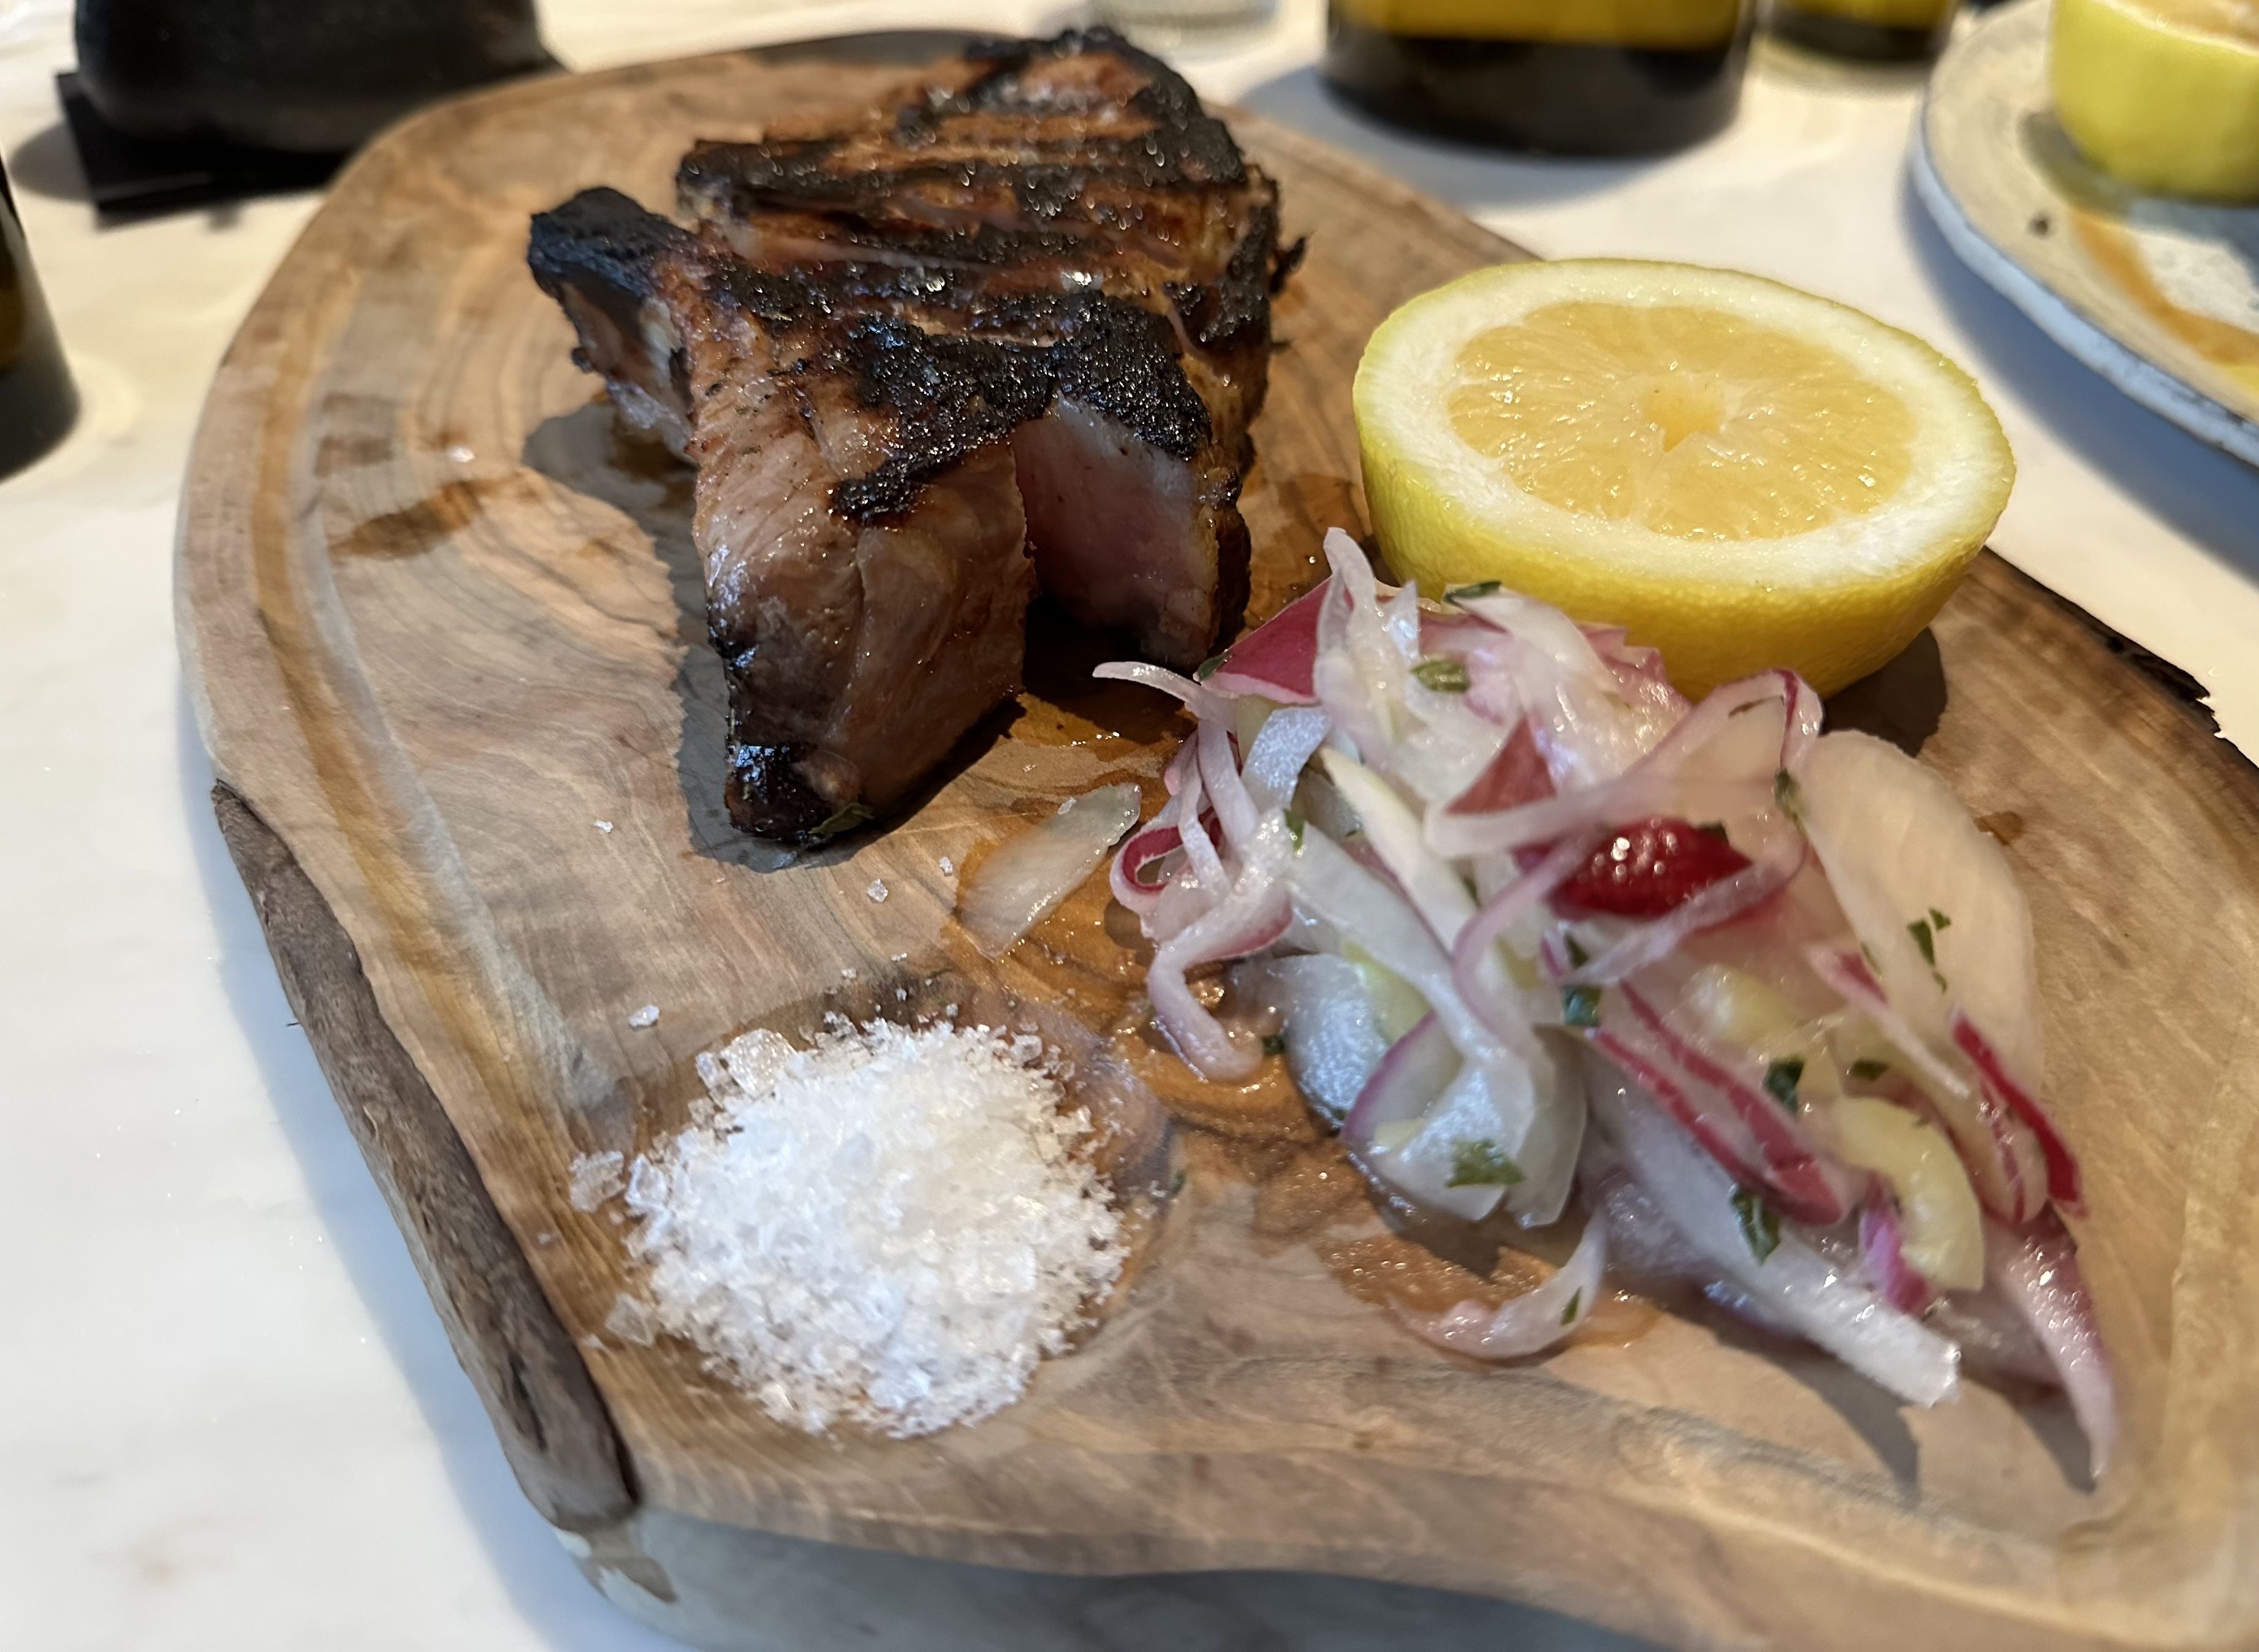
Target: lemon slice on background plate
column 2161, row 94
column 1740, row 474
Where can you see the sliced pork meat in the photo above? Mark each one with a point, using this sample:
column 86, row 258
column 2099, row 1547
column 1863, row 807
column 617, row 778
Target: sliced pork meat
column 857, row 511
column 1011, row 327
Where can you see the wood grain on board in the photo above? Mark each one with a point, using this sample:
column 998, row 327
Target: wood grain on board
column 440, row 623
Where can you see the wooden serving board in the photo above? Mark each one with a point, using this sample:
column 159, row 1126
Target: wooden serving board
column 438, row 622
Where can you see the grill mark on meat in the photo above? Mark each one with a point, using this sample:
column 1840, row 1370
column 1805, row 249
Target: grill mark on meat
column 1014, row 324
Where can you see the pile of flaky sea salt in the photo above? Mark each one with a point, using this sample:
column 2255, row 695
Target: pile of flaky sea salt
column 891, row 1227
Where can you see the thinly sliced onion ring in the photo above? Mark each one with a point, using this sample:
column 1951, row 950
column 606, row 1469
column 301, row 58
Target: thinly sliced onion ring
column 1529, row 1324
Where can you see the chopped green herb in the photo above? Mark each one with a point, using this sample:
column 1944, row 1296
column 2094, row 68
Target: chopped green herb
column 1868, row 953
column 1480, row 1164
column 1715, row 828
column 1919, row 930
column 1580, row 1006
column 1868, row 1071
column 1176, row 1184
column 1578, row 956
column 1939, row 921
column 1789, row 795
column 1294, row 825
column 1444, row 676
column 1781, row 1079
column 842, row 820
column 1208, row 667
column 1576, row 1301
column 1480, row 587
column 1273, row 1044
column 1939, row 977
column 1760, row 1225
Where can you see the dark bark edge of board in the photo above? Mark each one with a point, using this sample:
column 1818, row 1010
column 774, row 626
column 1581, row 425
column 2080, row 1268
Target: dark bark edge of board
column 554, row 1428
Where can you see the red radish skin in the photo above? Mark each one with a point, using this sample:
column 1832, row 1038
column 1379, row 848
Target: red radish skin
column 1515, row 776
column 1792, row 1173
column 1277, row 659
column 2066, row 1186
column 1672, row 1098
column 1648, row 870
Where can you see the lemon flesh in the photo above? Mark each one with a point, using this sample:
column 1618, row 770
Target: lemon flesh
column 2163, row 95
column 1741, row 475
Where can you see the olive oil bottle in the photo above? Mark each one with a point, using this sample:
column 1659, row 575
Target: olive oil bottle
column 1580, row 77
column 37, row 401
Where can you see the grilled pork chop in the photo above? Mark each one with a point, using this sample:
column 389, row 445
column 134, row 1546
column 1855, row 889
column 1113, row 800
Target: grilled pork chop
column 1011, row 327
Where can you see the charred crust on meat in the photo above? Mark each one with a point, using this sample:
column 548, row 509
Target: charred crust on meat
column 1009, row 325
column 950, row 395
column 769, row 796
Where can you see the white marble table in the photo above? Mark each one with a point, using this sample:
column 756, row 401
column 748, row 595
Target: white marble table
column 228, row 1418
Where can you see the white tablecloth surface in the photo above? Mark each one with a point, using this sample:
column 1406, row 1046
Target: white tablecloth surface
column 228, row 1418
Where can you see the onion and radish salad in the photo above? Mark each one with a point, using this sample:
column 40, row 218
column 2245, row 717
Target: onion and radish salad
column 1538, row 932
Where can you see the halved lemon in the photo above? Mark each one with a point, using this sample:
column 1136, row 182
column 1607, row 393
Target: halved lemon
column 1740, row 474
column 2161, row 94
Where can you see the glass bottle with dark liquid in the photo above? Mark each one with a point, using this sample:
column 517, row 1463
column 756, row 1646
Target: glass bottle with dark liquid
column 37, row 401
column 1575, row 77
column 1878, row 31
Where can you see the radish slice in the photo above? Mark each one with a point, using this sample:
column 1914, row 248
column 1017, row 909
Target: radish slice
column 1275, row 658
column 2038, row 1271
column 1793, row 1282
column 1529, row 1324
column 2064, row 1184
column 1025, row 879
column 1516, row 775
column 1932, row 899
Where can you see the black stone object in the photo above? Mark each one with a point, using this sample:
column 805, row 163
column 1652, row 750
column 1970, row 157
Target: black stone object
column 135, row 177
column 300, row 76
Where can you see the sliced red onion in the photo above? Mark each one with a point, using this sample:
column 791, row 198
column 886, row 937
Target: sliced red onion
column 1390, row 826
column 1644, row 1066
column 1469, row 1124
column 1882, row 1251
column 1197, row 697
column 1405, row 1084
column 1200, row 857
column 1236, row 814
column 2004, row 1161
column 1290, row 737
column 2064, row 1184
column 1645, row 789
column 1803, row 1182
column 1329, row 884
column 1032, row 872
column 2038, row 1271
column 1529, row 1324
column 1474, row 950
column 1146, row 850
column 1252, row 916
column 1275, row 658
column 1793, row 1282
